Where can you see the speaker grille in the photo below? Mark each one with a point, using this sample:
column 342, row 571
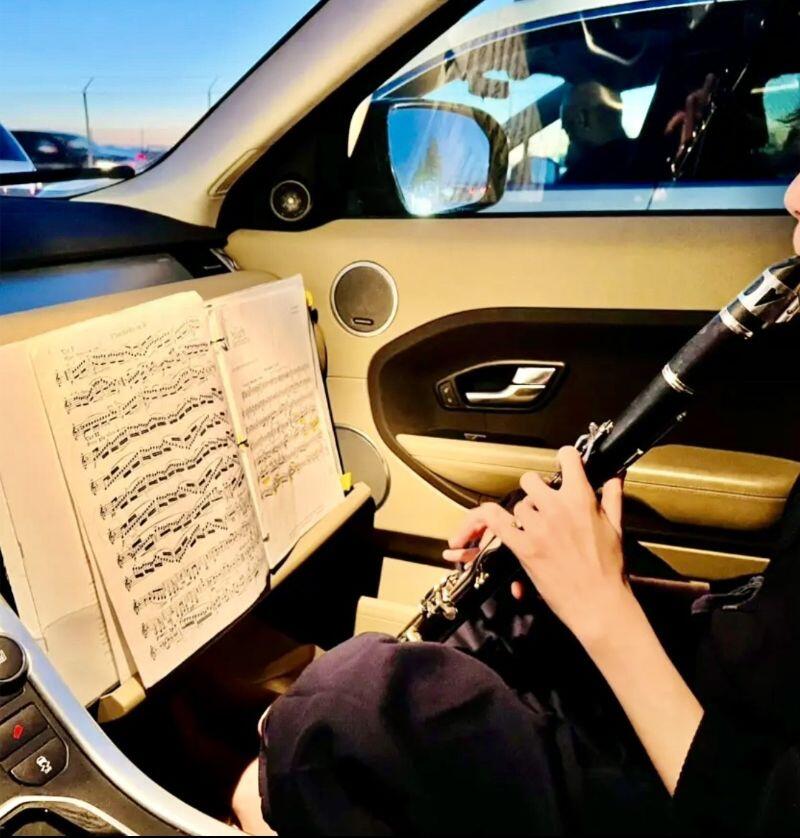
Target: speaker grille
column 364, row 461
column 290, row 200
column 364, row 298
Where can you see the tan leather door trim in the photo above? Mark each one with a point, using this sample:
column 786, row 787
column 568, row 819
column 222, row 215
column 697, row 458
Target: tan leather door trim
column 445, row 266
column 686, row 485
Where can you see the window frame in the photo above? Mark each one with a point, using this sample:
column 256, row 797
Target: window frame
column 664, row 195
column 329, row 124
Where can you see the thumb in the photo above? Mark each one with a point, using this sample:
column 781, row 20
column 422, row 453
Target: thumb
column 611, row 502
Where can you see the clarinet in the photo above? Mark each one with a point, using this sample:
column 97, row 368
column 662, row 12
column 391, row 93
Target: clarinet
column 609, row 448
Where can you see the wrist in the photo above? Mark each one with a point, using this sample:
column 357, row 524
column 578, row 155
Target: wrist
column 621, row 621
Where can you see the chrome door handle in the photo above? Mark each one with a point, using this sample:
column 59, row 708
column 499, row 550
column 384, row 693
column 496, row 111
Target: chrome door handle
column 514, row 394
column 527, row 385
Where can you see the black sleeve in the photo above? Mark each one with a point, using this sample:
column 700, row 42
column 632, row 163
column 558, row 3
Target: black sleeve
column 739, row 778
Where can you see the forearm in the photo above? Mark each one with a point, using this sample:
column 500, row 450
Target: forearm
column 659, row 704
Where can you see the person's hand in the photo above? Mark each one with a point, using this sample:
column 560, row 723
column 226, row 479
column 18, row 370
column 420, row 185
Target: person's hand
column 568, row 543
column 693, row 113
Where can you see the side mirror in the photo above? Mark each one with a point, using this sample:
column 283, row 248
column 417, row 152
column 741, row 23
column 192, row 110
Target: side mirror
column 440, row 158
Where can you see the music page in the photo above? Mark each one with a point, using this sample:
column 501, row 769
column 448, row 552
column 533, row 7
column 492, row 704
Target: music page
column 277, row 393
column 137, row 409
column 43, row 552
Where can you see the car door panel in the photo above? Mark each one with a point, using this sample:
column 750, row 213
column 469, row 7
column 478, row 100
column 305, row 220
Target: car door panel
column 612, row 298
column 452, row 265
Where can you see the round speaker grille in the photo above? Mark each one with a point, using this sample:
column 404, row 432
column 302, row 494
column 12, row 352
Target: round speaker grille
column 290, row 200
column 362, row 458
column 364, row 298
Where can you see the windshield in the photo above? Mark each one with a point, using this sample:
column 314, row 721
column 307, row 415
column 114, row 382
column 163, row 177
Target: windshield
column 119, row 83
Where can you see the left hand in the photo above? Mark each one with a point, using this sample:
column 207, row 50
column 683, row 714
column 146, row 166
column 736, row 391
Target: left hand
column 569, row 545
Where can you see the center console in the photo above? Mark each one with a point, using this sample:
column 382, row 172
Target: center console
column 59, row 773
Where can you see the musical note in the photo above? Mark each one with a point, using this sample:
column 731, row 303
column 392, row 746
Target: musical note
column 102, row 387
column 96, row 425
column 98, row 358
column 139, row 519
column 194, row 607
column 283, row 429
column 120, row 441
column 210, row 566
column 146, row 455
column 164, row 475
column 138, row 404
column 155, row 534
column 124, row 468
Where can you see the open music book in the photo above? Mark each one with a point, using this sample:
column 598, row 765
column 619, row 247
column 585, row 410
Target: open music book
column 155, row 465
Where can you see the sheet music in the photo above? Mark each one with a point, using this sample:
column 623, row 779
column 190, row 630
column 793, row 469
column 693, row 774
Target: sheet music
column 43, row 554
column 137, row 408
column 273, row 372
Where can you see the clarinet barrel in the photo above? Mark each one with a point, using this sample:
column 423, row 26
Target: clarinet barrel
column 608, row 449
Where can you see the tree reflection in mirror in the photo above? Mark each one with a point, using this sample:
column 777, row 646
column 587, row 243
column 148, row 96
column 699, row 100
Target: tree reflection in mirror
column 440, row 158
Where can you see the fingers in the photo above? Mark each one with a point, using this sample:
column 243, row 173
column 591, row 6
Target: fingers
column 493, row 517
column 518, row 590
column 470, row 528
column 696, row 105
column 526, row 515
column 611, row 503
column 573, row 477
column 708, row 85
column 676, row 121
column 573, row 480
column 687, row 128
column 503, row 525
column 535, row 488
column 463, row 556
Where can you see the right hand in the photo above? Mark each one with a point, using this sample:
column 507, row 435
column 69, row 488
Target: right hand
column 694, row 112
column 476, row 527
column 548, row 528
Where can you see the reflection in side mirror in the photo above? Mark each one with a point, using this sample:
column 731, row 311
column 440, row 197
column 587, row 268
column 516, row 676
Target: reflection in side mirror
column 443, row 157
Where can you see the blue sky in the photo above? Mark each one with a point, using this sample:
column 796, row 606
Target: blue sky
column 153, row 61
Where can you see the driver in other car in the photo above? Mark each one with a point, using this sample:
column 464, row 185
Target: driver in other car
column 599, row 724
column 599, row 150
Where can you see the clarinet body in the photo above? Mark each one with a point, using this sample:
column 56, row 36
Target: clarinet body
column 609, row 448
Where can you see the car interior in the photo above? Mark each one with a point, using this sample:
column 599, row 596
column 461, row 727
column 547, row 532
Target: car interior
column 464, row 334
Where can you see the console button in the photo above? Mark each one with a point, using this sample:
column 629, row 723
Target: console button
column 12, row 665
column 20, row 728
column 42, row 765
column 447, row 394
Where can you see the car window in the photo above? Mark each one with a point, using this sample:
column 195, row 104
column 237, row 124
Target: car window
column 101, row 85
column 613, row 107
column 10, row 149
column 780, row 99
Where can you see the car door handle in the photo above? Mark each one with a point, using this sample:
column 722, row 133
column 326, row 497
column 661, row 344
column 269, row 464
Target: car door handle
column 513, row 395
column 527, row 385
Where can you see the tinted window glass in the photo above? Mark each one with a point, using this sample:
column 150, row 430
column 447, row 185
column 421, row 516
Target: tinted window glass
column 626, row 107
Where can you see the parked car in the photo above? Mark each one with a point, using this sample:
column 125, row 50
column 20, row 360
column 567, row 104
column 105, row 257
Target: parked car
column 13, row 159
column 54, row 150
column 57, row 150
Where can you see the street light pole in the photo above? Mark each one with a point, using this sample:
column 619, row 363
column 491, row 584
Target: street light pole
column 208, row 92
column 90, row 151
